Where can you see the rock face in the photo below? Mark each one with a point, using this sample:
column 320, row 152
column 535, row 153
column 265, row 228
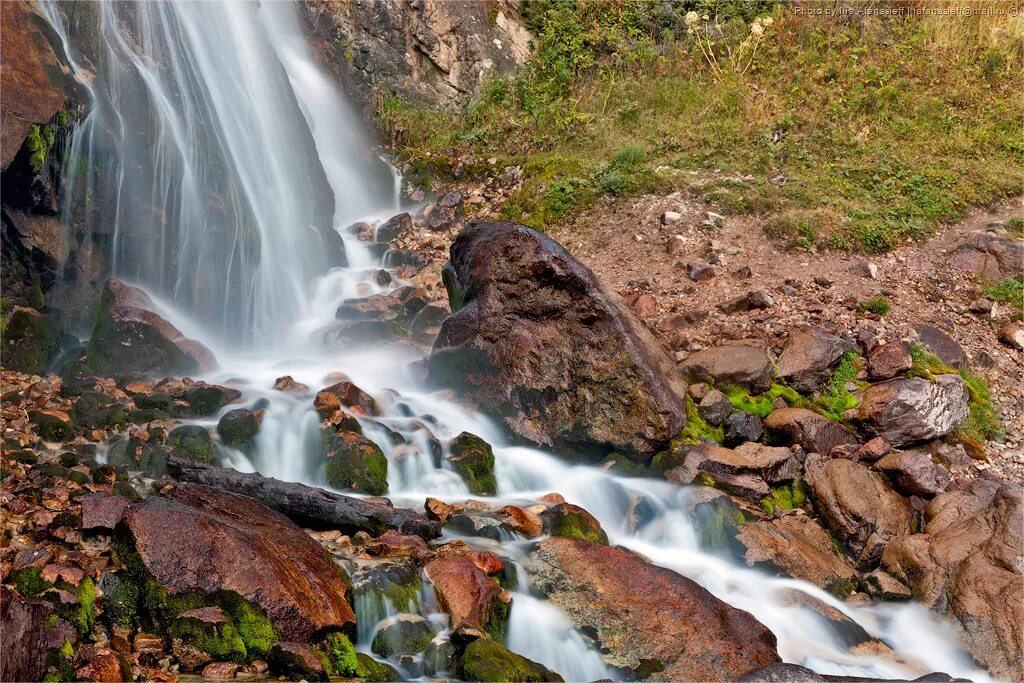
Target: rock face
column 807, row 357
column 857, row 503
column 904, row 411
column 740, row 365
column 989, row 256
column 967, row 565
column 203, row 541
column 814, row 433
column 795, row 545
column 130, row 339
column 640, row 612
column 536, row 338
column 438, row 51
column 23, row 656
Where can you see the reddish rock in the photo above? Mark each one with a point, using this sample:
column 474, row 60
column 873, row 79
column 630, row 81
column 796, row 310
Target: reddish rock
column 295, row 661
column 199, row 540
column 640, row 612
column 942, row 345
column 486, row 561
column 395, row 544
column 221, row 671
column 102, row 511
column 814, row 432
column 740, row 365
column 467, row 594
column 795, row 545
column 288, row 385
column 523, row 521
column 23, row 655
column 103, row 666
column 808, row 357
column 347, row 395
column 886, row 361
column 439, row 510
column 1012, row 334
column 989, row 256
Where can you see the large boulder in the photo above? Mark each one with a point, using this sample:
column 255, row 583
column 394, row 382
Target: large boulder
column 908, row 410
column 215, row 545
column 537, row 339
column 808, row 356
column 485, row 660
column 796, row 546
column 989, row 256
column 967, row 565
column 859, row 505
column 647, row 617
column 30, row 339
column 469, row 597
column 131, row 339
column 742, row 365
column 23, row 656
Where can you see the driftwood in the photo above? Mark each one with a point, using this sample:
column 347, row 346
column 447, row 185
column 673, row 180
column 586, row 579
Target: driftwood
column 307, row 505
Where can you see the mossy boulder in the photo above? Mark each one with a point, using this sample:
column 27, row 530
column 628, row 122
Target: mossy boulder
column 473, row 459
column 29, row 338
column 402, row 634
column 97, row 410
column 572, row 521
column 194, row 440
column 375, row 672
column 205, row 634
column 296, row 662
column 120, row 598
column 207, row 399
column 238, row 426
column 354, row 462
column 487, row 660
column 52, row 425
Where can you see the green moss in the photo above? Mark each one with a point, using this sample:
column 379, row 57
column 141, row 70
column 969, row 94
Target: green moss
column 354, row 462
column 473, row 459
column 577, row 525
column 835, row 399
column 405, row 597
column 495, row 622
column 51, row 427
column 716, row 523
column 983, row 421
column 81, row 615
column 487, row 660
column 879, row 305
column 696, row 428
column 96, row 410
column 120, row 601
column 926, row 365
column 373, row 671
column 341, row 656
column 294, row 667
column 763, row 404
column 254, row 626
column 205, row 401
column 402, row 638
column 842, row 588
column 39, row 142
column 195, row 440
column 28, row 581
column 785, row 497
column 221, row 641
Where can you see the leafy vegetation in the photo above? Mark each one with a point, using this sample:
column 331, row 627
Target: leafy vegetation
column 835, row 398
column 878, row 305
column 857, row 134
column 1009, row 291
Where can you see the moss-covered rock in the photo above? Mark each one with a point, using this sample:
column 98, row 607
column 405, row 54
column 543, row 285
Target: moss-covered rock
column 205, row 634
column 340, row 655
column 97, row 410
column 238, row 426
column 375, row 672
column 120, row 602
column 296, row 662
column 572, row 521
column 206, row 400
column 52, row 425
column 403, row 634
column 473, row 459
column 195, row 441
column 29, row 339
column 487, row 660
column 354, row 462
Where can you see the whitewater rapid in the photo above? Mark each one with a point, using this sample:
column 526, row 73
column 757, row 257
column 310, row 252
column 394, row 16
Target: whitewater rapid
column 228, row 95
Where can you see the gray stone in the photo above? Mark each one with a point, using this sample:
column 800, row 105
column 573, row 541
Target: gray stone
column 905, row 411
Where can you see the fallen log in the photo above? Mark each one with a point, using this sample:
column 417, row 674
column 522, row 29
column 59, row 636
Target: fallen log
column 307, row 505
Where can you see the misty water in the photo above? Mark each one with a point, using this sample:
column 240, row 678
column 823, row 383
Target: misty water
column 229, row 168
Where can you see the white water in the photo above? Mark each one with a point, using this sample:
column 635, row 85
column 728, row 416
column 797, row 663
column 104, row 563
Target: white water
column 225, row 96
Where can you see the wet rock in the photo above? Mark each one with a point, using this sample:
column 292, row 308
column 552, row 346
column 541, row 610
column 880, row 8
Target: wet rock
column 439, row 510
column 195, row 441
column 102, row 511
column 480, row 524
column 288, row 385
column 794, row 673
column 200, row 541
column 914, row 473
column 989, row 256
column 795, row 545
column 473, row 459
column 221, row 671
column 103, row 666
column 200, row 636
column 402, row 634
column 23, row 656
column 814, row 432
column 808, row 357
column 238, row 426
column 486, row 660
column 535, row 337
column 740, row 365
column 52, row 425
column 857, row 504
column 98, row 410
column 205, row 400
column 646, row 617
column 572, row 521
column 346, row 395
column 966, row 565
column 522, row 521
column 394, row 227
column 30, row 340
column 296, row 662
column 741, row 427
column 354, row 462
column 886, row 361
column 907, row 410
column 942, row 345
column 130, row 339
column 395, row 544
column 883, row 586
column 468, row 595
column 715, row 407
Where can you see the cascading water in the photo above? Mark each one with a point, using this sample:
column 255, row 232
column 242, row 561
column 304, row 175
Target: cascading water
column 222, row 155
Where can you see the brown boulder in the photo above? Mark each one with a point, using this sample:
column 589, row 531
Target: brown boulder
column 858, row 504
column 795, row 545
column 808, row 356
column 23, row 655
column 814, row 432
column 967, row 565
column 131, row 339
column 741, row 365
column 990, row 256
column 535, row 337
column 346, row 395
column 524, row 522
column 914, row 409
column 198, row 540
column 886, row 361
column 640, row 612
column 914, row 473
column 470, row 597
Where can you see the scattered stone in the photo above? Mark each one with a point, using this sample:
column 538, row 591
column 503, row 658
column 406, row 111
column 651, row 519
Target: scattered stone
column 740, row 365
column 914, row 473
column 908, row 410
column 671, row 217
column 751, row 301
column 980, row 306
column 989, row 256
column 102, row 511
column 872, row 450
column 807, row 358
column 524, row 522
column 675, row 245
column 715, row 407
column 741, row 427
column 886, row 361
column 1012, row 334
column 814, row 432
column 697, row 271
column 346, row 395
column 865, row 269
column 743, row 273
column 942, row 345
column 394, row 227
column 288, row 385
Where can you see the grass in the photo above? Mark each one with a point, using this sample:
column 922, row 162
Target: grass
column 1009, row 291
column 857, row 134
column 879, row 305
column 835, row 398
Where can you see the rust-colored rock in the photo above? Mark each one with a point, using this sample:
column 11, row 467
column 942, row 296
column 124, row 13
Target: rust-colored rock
column 202, row 541
column 468, row 595
column 23, row 655
column 641, row 612
column 523, row 521
column 814, row 433
column 102, row 511
column 346, row 395
column 536, row 338
column 103, row 666
column 795, row 545
column 396, row 544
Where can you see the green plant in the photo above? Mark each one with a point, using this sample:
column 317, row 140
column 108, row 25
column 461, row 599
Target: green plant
column 879, row 305
column 1009, row 291
column 835, row 398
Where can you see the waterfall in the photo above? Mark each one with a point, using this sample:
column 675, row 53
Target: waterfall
column 221, row 166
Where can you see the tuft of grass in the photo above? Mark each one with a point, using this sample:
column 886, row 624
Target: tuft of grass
column 1015, row 227
column 835, row 398
column 1009, row 291
column 697, row 428
column 983, row 423
column 879, row 305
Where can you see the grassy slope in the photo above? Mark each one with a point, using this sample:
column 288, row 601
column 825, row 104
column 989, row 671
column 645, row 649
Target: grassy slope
column 848, row 135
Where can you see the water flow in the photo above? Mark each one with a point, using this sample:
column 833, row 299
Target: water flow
column 219, row 153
